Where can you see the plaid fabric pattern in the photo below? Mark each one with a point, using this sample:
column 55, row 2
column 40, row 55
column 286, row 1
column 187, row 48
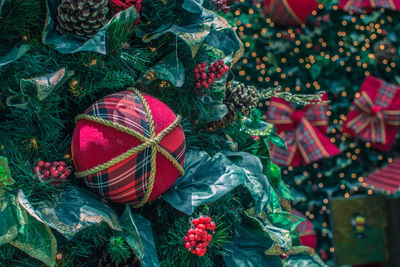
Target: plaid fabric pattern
column 385, row 94
column 123, row 108
column 280, row 156
column 359, row 6
column 124, row 182
column 127, row 181
column 317, row 114
column 280, row 14
column 374, row 113
column 305, row 140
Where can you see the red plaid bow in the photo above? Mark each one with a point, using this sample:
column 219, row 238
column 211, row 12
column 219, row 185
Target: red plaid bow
column 375, row 114
column 360, row 5
column 304, row 132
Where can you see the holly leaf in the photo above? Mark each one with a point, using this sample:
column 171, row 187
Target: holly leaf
column 171, row 69
column 277, row 140
column 248, row 246
column 283, row 190
column 131, row 233
column 73, row 210
column 256, row 182
column 150, row 258
column 206, row 179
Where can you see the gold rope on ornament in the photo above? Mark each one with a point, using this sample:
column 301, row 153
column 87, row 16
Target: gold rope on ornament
column 152, row 142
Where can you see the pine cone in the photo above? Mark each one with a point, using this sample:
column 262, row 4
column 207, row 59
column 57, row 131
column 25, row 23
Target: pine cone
column 81, row 17
column 238, row 98
column 105, row 261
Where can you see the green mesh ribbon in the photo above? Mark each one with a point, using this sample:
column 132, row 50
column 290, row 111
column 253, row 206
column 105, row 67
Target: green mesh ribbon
column 19, row 228
column 41, row 86
column 70, row 43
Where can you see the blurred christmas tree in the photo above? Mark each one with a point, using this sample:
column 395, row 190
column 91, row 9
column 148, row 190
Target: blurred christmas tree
column 57, row 57
column 333, row 52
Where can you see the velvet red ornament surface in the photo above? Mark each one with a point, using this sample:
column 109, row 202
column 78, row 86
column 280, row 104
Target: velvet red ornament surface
column 94, row 143
column 289, row 12
column 307, row 234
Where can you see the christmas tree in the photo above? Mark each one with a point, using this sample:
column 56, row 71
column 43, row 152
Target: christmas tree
column 85, row 87
column 334, row 51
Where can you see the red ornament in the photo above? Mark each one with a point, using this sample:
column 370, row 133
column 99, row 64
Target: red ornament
column 57, row 173
column 113, row 142
column 283, row 256
column 308, row 236
column 375, row 114
column 200, row 238
column 303, row 131
column 289, row 12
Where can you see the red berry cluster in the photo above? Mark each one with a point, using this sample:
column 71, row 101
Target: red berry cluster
column 205, row 79
column 58, row 171
column 222, row 5
column 197, row 238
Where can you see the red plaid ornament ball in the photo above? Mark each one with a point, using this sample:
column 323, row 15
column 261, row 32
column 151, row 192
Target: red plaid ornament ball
column 289, row 12
column 128, row 147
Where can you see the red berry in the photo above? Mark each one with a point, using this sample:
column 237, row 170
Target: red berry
column 63, row 177
column 203, row 76
column 197, row 76
column 204, row 239
column 195, row 221
column 203, row 69
column 187, row 245
column 204, row 64
column 185, row 238
column 209, row 237
column 193, row 243
column 211, row 75
column 198, row 85
column 212, row 226
column 198, row 66
column 199, row 245
column 207, row 219
column 209, row 81
column 216, row 64
column 55, row 163
column 226, row 68
column 196, row 70
column 61, row 169
column 46, row 165
column 218, row 76
column 54, row 173
column 62, row 163
column 191, row 237
column 201, row 219
column 37, row 169
column 201, row 226
column 213, row 69
column 198, row 251
column 283, row 256
column 204, row 84
column 68, row 172
column 191, row 231
column 193, row 251
column 221, row 71
column 198, row 237
column 40, row 163
column 46, row 174
column 221, row 62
